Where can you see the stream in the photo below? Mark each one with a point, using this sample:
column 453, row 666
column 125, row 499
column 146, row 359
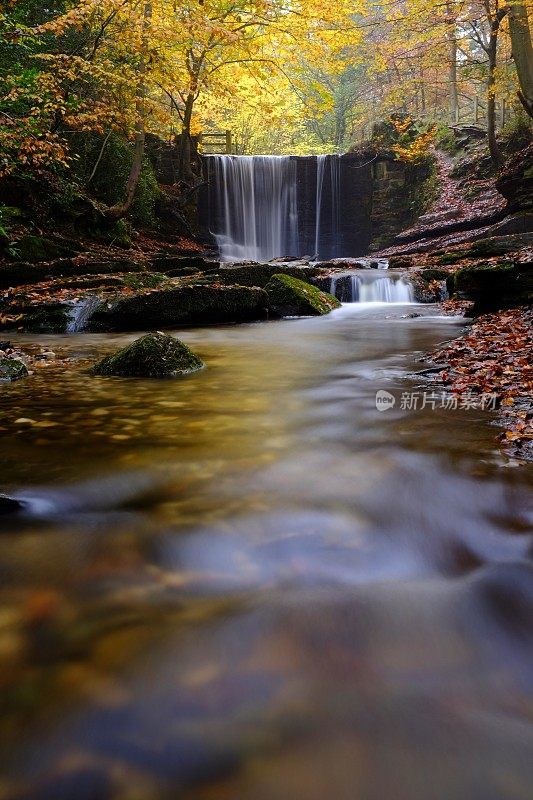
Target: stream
column 252, row 584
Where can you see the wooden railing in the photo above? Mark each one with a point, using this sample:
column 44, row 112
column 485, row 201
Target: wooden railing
column 216, row 142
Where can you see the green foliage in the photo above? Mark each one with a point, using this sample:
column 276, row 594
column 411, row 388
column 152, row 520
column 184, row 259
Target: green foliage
column 112, row 157
column 446, row 140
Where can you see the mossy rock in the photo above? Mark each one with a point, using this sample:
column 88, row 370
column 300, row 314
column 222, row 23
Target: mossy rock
column 290, row 297
column 493, row 285
column 41, row 318
column 451, row 258
column 261, row 274
column 400, row 262
column 36, row 248
column 432, row 274
column 145, row 280
column 155, row 355
column 171, row 306
column 12, row 370
column 480, row 275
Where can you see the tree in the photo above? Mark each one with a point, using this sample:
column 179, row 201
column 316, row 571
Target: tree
column 522, row 50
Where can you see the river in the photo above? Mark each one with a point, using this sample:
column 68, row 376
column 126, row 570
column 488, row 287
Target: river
column 252, row 584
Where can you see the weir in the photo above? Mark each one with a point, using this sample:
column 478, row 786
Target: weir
column 262, row 207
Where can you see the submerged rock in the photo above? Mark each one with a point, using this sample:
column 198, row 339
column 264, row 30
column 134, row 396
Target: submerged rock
column 11, row 369
column 155, row 355
column 290, row 297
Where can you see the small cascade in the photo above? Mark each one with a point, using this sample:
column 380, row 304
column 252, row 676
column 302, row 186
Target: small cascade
column 81, row 313
column 370, row 287
column 256, row 199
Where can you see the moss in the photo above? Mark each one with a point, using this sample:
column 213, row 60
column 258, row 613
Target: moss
column 155, row 355
column 432, row 274
column 145, row 280
column 451, row 258
column 491, row 285
column 53, row 318
column 468, row 276
column 12, row 370
column 37, row 248
column 289, row 296
column 261, row 274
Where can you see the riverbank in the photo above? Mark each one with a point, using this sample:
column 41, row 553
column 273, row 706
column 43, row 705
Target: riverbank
column 494, row 358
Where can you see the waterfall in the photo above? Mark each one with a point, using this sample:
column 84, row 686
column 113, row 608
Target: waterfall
column 265, row 207
column 81, row 313
column 370, row 287
column 327, row 188
column 257, row 208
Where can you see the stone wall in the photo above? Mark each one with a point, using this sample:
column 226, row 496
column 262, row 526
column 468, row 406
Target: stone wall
column 398, row 198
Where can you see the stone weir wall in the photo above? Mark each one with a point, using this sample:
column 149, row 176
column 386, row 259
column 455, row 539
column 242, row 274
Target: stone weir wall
column 349, row 234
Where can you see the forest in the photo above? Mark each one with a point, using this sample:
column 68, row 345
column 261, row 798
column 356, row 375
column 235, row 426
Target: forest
column 266, row 399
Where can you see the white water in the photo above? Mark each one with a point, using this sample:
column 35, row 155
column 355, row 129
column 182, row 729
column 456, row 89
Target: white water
column 372, row 287
column 327, row 169
column 81, row 313
column 257, row 207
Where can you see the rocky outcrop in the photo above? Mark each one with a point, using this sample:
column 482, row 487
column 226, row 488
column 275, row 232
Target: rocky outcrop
column 177, row 305
column 516, row 182
column 155, row 355
column 492, row 285
column 290, row 297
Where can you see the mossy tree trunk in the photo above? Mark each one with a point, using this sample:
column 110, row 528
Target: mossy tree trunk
column 522, row 48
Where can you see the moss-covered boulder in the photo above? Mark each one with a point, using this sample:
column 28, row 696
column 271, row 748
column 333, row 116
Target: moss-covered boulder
column 176, row 305
column 290, row 297
column 12, row 370
column 155, row 355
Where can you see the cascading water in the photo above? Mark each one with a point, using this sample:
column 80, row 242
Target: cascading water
column 328, row 186
column 370, row 287
column 257, row 207
column 265, row 207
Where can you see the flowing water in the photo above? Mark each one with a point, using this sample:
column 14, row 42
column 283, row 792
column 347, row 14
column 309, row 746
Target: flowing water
column 369, row 286
column 251, row 584
column 257, row 207
column 256, row 212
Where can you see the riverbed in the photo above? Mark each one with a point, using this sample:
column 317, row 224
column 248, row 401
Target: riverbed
column 255, row 584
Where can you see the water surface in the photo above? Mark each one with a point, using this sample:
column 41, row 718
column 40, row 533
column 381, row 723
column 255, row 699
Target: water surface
column 251, row 583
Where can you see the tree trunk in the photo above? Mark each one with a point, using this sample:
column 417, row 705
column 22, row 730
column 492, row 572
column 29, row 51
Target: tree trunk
column 495, row 152
column 522, row 53
column 185, row 166
column 452, row 68
column 120, row 210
